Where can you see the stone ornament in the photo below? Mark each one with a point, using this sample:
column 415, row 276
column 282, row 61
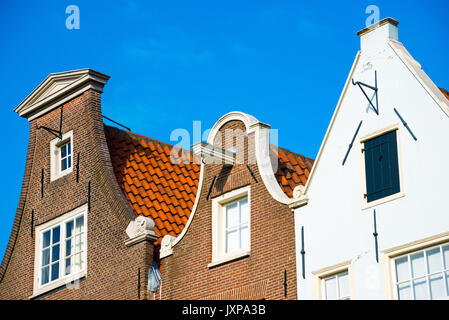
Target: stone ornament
column 166, row 246
column 298, row 192
column 141, row 228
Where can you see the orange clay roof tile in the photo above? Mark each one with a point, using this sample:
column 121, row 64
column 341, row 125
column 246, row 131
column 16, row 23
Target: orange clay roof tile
column 164, row 190
column 292, row 169
column 445, row 92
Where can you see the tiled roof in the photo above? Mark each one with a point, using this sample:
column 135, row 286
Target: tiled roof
column 157, row 188
column 293, row 169
column 152, row 184
column 445, row 92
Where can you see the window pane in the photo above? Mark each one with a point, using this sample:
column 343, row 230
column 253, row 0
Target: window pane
column 343, row 284
column 55, row 271
column 67, row 265
column 78, row 262
column 232, row 241
column 69, row 161
column 330, row 286
column 404, row 291
column 232, row 215
column 55, row 253
column 69, row 148
column 78, row 243
column 69, row 229
column 56, row 235
column 64, row 164
column 80, row 224
column 418, row 265
column 81, row 264
column 437, row 289
column 447, row 281
column 446, row 256
column 68, row 247
column 402, row 272
column 434, row 260
column 63, row 151
column 244, row 217
column 45, row 275
column 46, row 239
column 420, row 289
column 244, row 240
column 46, row 257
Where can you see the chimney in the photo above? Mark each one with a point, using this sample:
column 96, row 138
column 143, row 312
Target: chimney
column 374, row 37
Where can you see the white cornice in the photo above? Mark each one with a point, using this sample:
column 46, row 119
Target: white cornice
column 262, row 150
column 415, row 68
column 213, row 154
column 59, row 88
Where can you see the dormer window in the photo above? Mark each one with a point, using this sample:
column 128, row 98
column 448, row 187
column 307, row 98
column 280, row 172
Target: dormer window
column 61, row 156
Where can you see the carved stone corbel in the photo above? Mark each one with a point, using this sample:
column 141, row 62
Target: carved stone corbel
column 140, row 229
column 166, row 246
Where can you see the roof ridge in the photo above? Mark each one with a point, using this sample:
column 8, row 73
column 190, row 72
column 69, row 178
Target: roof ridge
column 292, row 152
column 141, row 136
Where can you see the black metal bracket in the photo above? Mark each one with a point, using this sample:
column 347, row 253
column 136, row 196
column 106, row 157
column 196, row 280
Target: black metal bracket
column 352, row 141
column 88, row 197
column 375, row 234
column 121, row 125
column 32, row 223
column 285, row 283
column 78, row 167
column 375, row 89
column 210, row 188
column 57, row 133
column 405, row 124
column 138, row 283
column 42, row 182
column 252, row 173
column 303, row 253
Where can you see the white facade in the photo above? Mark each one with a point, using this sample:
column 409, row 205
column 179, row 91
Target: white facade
column 338, row 227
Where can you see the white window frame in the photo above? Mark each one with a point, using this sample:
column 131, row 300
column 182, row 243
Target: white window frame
column 390, row 255
column 365, row 204
column 319, row 277
column 219, row 256
column 56, row 171
column 63, row 279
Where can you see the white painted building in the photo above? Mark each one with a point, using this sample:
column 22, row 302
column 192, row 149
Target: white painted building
column 399, row 173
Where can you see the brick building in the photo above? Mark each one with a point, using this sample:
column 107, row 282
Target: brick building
column 99, row 205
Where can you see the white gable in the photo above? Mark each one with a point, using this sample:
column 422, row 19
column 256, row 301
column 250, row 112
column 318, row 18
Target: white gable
column 59, row 88
column 338, row 227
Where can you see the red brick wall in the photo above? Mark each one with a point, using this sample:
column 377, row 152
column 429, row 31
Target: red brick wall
column 112, row 271
column 186, row 275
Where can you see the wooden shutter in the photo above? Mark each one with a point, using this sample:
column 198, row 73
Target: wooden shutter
column 381, row 166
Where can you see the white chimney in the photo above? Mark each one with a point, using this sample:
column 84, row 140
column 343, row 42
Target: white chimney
column 376, row 35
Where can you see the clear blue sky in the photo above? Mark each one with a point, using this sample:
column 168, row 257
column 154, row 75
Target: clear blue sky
column 173, row 62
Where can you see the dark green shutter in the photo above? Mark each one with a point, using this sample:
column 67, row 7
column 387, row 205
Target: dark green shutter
column 381, row 166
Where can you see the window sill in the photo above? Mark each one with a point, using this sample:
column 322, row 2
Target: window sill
column 229, row 258
column 367, row 205
column 59, row 283
column 56, row 176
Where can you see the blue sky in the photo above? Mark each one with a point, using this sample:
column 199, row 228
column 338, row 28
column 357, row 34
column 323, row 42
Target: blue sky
column 174, row 62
